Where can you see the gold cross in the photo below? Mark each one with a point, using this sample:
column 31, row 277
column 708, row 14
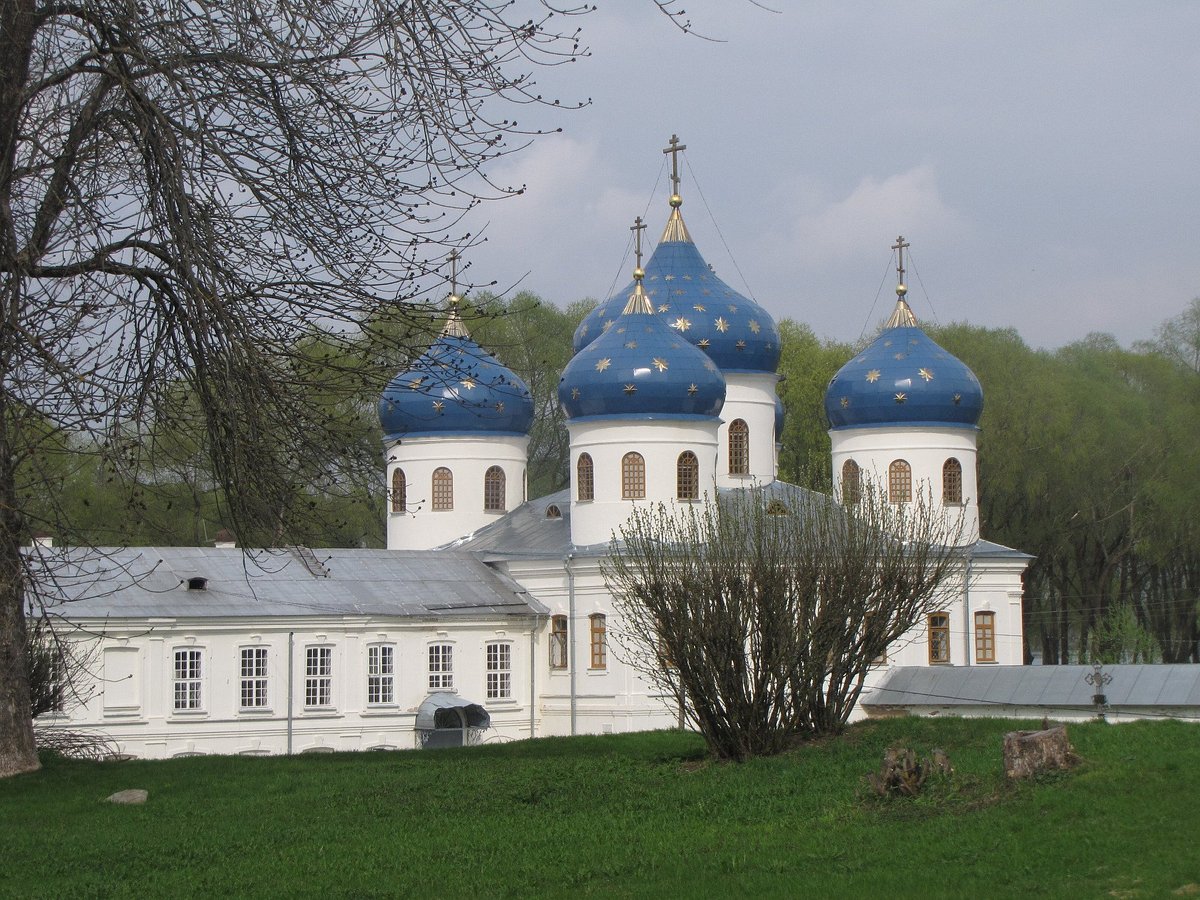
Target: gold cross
column 637, row 228
column 899, row 246
column 453, row 259
column 674, row 151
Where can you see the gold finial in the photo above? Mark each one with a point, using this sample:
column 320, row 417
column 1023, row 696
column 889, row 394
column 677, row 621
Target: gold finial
column 902, row 316
column 455, row 326
column 676, row 201
column 638, row 301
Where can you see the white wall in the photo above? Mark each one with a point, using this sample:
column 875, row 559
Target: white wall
column 750, row 397
column 421, row 527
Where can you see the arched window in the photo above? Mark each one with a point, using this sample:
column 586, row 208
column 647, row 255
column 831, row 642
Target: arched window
column 952, row 481
column 900, row 482
column 585, row 484
column 443, row 489
column 399, row 491
column 633, row 477
column 739, row 447
column 493, row 489
column 687, row 476
column 851, row 482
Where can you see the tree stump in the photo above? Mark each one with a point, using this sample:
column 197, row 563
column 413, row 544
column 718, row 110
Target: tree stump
column 1027, row 753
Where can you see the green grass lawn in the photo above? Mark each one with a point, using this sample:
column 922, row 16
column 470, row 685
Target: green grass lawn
column 627, row 815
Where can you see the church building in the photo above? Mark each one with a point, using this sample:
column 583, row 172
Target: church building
column 487, row 617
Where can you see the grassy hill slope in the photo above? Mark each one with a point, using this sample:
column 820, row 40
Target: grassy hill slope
column 628, row 815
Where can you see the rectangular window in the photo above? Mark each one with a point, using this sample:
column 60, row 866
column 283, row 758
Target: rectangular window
column 985, row 637
column 381, row 674
column 254, row 678
column 939, row 638
column 558, row 642
column 318, row 677
column 599, row 629
column 188, row 678
column 441, row 667
column 499, row 671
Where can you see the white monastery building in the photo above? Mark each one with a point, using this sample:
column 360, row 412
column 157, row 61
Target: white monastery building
column 487, row 618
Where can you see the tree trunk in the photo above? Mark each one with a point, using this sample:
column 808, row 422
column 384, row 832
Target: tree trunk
column 18, row 752
column 1027, row 753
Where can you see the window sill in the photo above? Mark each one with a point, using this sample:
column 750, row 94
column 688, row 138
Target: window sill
column 189, row 714
column 320, row 713
column 603, row 671
column 381, row 711
column 256, row 712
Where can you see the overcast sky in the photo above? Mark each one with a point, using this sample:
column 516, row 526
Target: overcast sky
column 1042, row 158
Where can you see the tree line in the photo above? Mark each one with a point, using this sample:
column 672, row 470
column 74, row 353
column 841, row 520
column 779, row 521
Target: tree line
column 1087, row 460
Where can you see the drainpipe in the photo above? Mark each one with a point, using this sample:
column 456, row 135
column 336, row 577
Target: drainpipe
column 571, row 630
column 291, row 670
column 967, row 612
column 532, row 674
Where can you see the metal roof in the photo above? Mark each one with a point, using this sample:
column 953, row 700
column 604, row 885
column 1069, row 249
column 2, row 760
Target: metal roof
column 1175, row 684
column 147, row 582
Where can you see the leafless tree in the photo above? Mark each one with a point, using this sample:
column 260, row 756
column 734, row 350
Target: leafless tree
column 189, row 189
column 761, row 615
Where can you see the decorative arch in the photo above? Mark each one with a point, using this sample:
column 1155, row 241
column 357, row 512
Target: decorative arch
column 399, row 491
column 739, row 447
column 443, row 489
column 851, row 482
column 687, row 476
column 633, row 477
column 952, row 482
column 585, row 478
column 900, row 481
column 493, row 489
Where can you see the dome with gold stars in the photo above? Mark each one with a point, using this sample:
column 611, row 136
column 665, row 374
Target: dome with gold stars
column 904, row 378
column 456, row 387
column 641, row 368
column 735, row 332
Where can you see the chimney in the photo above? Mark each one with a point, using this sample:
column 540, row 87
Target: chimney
column 224, row 540
column 41, row 539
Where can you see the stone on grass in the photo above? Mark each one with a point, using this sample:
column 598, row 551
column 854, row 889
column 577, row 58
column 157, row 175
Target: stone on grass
column 131, row 797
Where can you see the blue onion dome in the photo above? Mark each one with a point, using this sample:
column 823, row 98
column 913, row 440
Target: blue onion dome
column 455, row 388
column 735, row 332
column 641, row 368
column 904, row 378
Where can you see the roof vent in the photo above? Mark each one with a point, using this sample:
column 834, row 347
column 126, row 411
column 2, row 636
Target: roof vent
column 553, row 512
column 197, row 584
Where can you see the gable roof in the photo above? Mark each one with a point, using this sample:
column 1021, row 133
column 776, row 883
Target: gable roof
column 141, row 582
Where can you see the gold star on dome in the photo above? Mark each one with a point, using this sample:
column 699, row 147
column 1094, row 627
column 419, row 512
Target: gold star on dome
column 914, row 341
column 692, row 389
column 873, row 376
column 662, row 307
column 659, row 363
column 703, row 345
column 957, row 399
column 926, row 374
column 631, row 345
column 722, row 325
column 652, row 278
column 706, row 292
column 468, row 383
column 674, row 345
column 681, row 324
column 687, row 277
column 668, row 278
column 499, row 406
column 574, row 393
column 621, row 330
column 887, row 343
column 901, row 397
column 755, row 328
column 608, row 323
column 584, row 330
column 416, row 382
column 732, row 308
column 438, row 406
column 900, row 355
column 631, row 389
column 603, row 364
column 603, row 311
column 740, row 345
column 698, row 307
column 845, row 402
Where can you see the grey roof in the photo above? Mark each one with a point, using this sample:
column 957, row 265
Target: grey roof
column 153, row 582
column 527, row 532
column 1050, row 686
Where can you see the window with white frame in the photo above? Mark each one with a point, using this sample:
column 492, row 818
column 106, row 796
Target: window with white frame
column 189, row 675
column 318, row 677
column 499, row 671
column 254, row 678
column 441, row 667
column 381, row 674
